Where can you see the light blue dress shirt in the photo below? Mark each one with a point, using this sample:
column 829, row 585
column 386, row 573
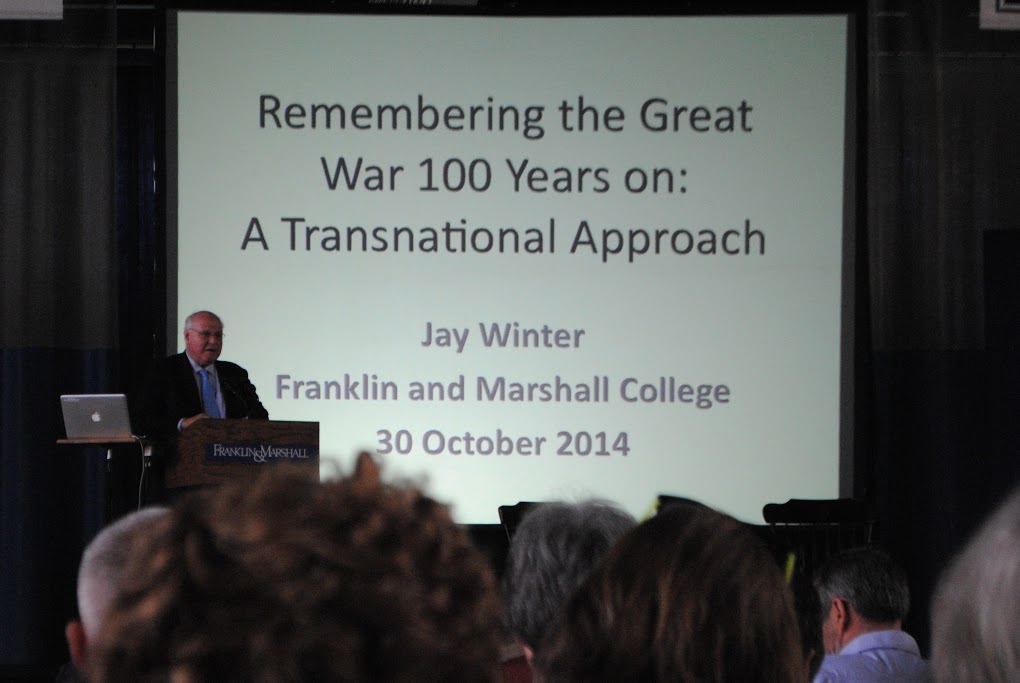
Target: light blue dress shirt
column 880, row 657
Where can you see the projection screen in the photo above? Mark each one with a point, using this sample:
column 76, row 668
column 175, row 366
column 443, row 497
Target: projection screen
column 527, row 257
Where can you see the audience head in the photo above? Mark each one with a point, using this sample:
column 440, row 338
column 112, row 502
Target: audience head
column 286, row 579
column 860, row 590
column 100, row 574
column 976, row 610
column 689, row 595
column 551, row 553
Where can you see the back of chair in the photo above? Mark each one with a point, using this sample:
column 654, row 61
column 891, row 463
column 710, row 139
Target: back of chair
column 510, row 516
column 815, row 529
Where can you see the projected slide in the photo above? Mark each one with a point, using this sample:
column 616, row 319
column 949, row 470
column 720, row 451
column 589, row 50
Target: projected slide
column 527, row 258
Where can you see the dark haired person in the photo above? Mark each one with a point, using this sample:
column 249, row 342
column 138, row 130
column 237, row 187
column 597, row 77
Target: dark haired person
column 864, row 599
column 287, row 579
column 688, row 595
column 809, row 618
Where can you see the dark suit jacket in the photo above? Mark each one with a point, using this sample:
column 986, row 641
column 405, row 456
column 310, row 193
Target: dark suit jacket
column 172, row 395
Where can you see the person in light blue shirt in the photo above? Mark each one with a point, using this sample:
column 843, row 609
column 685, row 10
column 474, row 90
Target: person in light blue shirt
column 864, row 599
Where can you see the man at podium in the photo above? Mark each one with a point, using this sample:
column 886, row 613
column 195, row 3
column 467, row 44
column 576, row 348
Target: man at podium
column 196, row 385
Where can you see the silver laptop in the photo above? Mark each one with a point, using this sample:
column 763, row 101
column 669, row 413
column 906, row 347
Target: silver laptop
column 96, row 416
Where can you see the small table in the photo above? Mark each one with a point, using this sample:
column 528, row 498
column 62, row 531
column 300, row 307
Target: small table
column 109, row 443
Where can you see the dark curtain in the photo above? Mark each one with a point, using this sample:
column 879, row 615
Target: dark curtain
column 59, row 312
column 141, row 312
column 943, row 178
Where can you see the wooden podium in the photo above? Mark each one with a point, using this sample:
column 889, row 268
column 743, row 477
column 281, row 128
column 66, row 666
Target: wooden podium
column 213, row 451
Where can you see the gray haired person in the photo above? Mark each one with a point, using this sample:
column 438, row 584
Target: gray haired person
column 976, row 611
column 864, row 599
column 553, row 550
column 99, row 575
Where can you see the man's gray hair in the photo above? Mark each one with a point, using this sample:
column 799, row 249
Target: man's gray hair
column 187, row 321
column 867, row 578
column 552, row 551
column 102, row 565
column 976, row 610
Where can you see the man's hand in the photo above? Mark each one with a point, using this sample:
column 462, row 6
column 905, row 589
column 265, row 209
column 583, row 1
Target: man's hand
column 188, row 421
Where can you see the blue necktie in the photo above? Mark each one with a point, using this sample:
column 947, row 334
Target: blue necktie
column 209, row 404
